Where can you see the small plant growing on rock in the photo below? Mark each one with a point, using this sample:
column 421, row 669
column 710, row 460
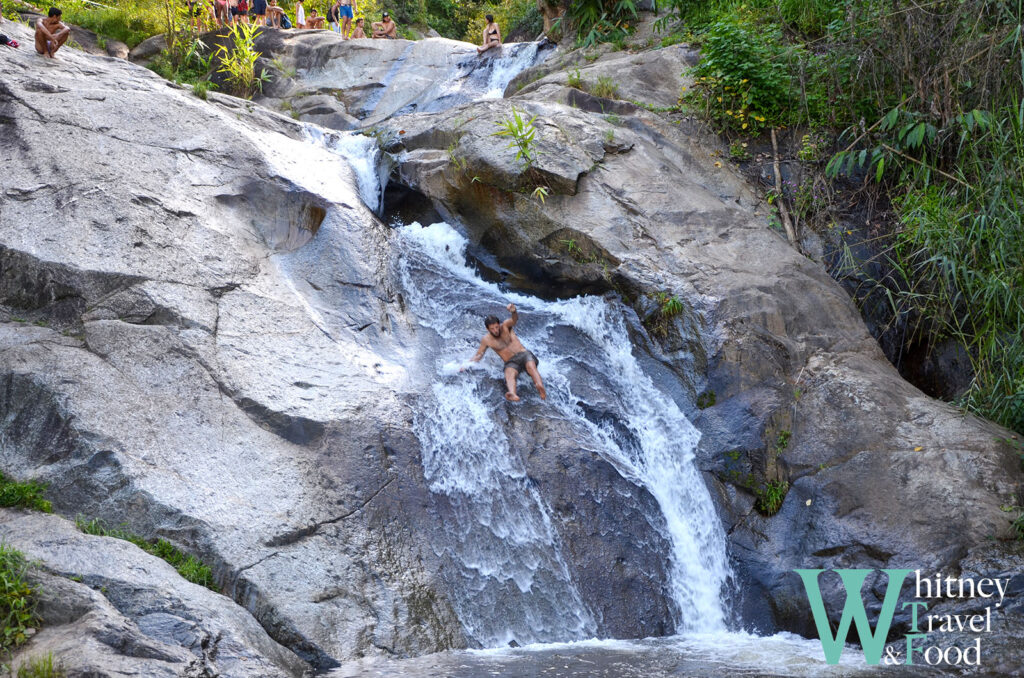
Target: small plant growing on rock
column 23, row 495
column 522, row 135
column 605, row 88
column 670, row 306
column 41, row 667
column 738, row 151
column 238, row 64
column 575, row 81
column 770, row 497
column 706, row 400
column 540, row 193
column 17, row 604
column 188, row 566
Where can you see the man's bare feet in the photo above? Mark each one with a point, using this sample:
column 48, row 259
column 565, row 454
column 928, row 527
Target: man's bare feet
column 512, row 397
column 543, row 392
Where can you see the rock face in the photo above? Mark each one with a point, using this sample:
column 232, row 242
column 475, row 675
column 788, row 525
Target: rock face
column 201, row 339
column 116, row 609
column 360, row 83
column 794, row 390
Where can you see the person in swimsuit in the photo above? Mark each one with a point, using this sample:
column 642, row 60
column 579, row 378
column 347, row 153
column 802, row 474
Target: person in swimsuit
column 51, row 33
column 503, row 341
column 357, row 30
column 385, row 29
column 314, row 20
column 492, row 36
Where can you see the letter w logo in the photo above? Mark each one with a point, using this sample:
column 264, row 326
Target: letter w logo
column 853, row 610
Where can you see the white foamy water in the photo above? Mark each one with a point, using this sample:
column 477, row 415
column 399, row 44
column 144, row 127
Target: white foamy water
column 363, row 154
column 467, row 454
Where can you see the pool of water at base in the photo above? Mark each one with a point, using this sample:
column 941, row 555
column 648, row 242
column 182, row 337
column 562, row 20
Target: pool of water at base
column 718, row 654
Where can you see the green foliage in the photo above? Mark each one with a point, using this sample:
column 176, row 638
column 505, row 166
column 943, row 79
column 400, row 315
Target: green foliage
column 741, row 81
column 811, row 17
column 574, row 79
column 131, row 21
column 41, row 667
column 522, row 135
column 782, row 441
column 540, row 193
column 238, row 63
column 17, row 605
column 605, row 88
column 770, row 496
column 595, row 21
column 23, row 495
column 510, row 15
column 738, row 151
column 669, row 305
column 188, row 566
column 705, row 400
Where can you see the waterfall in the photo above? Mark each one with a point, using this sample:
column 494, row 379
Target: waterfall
column 364, row 156
column 503, row 527
column 510, row 577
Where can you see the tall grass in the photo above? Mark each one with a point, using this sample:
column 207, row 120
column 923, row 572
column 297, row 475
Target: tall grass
column 960, row 255
column 130, row 21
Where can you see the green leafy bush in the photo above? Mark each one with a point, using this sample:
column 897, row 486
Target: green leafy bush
column 770, row 496
column 24, row 495
column 17, row 605
column 741, row 80
column 131, row 22
column 522, row 135
column 238, row 63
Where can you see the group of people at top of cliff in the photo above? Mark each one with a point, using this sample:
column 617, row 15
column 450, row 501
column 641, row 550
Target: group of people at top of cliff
column 340, row 16
column 52, row 33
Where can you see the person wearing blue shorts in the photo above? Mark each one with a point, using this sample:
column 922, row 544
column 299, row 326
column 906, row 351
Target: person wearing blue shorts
column 260, row 10
column 346, row 10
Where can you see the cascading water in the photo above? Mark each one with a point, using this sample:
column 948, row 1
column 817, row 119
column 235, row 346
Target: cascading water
column 512, row 577
column 504, row 527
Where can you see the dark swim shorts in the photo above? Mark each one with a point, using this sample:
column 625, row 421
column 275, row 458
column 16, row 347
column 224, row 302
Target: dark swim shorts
column 519, row 360
column 260, row 6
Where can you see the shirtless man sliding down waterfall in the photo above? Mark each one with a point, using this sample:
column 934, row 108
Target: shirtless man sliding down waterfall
column 506, row 344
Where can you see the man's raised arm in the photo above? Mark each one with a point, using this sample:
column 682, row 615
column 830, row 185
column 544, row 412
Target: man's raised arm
column 511, row 322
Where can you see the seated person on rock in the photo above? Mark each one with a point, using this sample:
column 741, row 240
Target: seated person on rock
column 357, row 30
column 274, row 14
column 385, row 29
column 492, row 36
column 314, row 20
column 51, row 33
column 502, row 340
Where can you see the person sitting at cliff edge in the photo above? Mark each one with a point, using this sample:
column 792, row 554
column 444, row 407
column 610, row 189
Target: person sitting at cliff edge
column 51, row 33
column 385, row 29
column 492, row 35
column 502, row 340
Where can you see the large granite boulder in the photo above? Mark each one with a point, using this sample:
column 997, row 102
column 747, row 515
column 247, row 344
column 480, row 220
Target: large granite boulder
column 107, row 607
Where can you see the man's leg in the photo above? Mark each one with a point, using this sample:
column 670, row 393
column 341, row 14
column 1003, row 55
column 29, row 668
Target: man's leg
column 531, row 369
column 59, row 38
column 41, row 43
column 511, row 374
